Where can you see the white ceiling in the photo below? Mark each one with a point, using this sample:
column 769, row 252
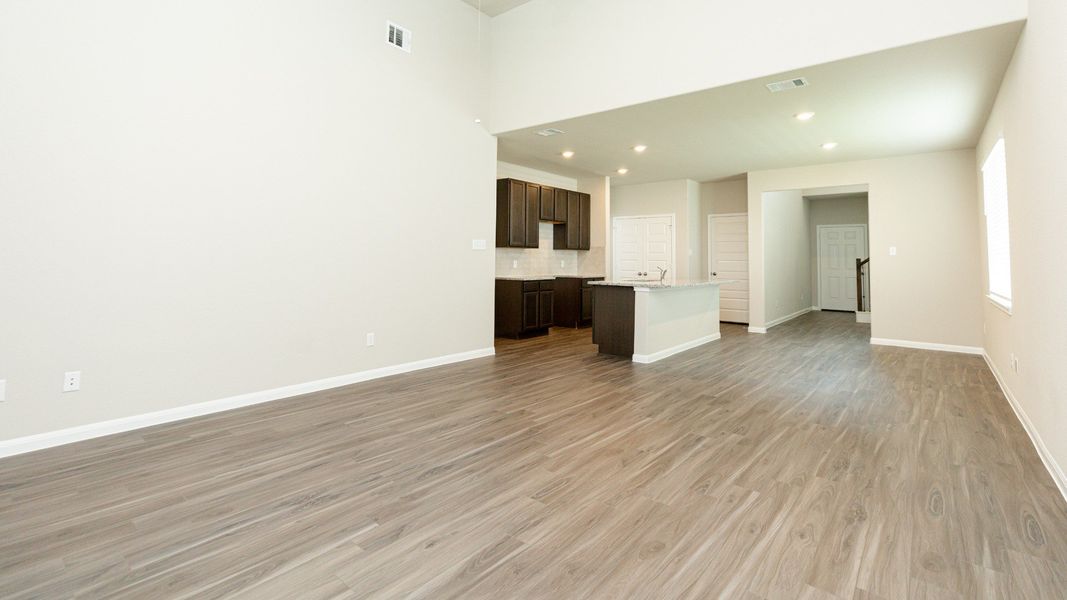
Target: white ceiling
column 926, row 97
column 495, row 7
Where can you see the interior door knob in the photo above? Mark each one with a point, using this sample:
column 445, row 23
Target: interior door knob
column 714, row 274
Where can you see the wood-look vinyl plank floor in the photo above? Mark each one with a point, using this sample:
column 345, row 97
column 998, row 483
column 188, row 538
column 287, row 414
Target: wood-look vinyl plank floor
column 804, row 463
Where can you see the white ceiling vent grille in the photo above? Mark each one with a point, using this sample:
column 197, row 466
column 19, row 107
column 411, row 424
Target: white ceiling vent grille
column 549, row 132
column 788, row 84
column 398, row 36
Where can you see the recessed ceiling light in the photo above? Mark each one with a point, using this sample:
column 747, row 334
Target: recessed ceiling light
column 623, row 171
column 568, row 153
column 829, row 145
column 640, row 148
column 804, row 116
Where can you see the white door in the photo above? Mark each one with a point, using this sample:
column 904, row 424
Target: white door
column 640, row 245
column 728, row 257
column 839, row 247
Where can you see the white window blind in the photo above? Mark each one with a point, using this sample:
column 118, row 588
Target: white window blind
column 995, row 186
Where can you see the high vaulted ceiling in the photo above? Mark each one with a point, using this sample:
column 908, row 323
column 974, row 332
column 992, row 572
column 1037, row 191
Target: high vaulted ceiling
column 926, row 97
column 495, row 7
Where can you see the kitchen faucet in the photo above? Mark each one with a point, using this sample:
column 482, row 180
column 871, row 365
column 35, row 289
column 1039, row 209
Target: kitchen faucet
column 662, row 273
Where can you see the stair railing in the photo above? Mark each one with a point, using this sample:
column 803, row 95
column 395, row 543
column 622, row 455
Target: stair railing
column 861, row 304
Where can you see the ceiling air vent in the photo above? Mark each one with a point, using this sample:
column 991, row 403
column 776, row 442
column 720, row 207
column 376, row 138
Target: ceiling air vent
column 548, row 132
column 398, row 36
column 788, row 84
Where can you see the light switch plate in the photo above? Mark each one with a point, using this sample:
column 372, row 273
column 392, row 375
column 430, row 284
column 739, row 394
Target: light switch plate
column 477, row 244
column 892, row 251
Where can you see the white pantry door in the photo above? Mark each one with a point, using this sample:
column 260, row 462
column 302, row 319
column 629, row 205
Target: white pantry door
column 728, row 257
column 640, row 244
column 839, row 247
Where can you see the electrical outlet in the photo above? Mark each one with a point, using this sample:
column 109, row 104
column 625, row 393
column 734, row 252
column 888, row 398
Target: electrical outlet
column 514, row 264
column 1014, row 362
column 72, row 381
column 370, row 339
column 3, row 390
column 892, row 251
column 562, row 264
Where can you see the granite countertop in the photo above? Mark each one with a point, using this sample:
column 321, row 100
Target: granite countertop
column 654, row 284
column 545, row 277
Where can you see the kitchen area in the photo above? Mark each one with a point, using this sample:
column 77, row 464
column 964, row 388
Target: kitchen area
column 552, row 259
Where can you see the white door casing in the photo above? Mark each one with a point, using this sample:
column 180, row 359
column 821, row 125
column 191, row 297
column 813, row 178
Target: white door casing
column 641, row 244
column 838, row 248
column 728, row 259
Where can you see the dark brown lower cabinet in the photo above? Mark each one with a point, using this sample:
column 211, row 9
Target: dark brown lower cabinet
column 574, row 301
column 524, row 308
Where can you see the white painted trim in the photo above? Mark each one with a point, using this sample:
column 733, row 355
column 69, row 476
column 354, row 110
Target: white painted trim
column 674, row 240
column 780, row 320
column 863, row 316
column 752, row 329
column 818, row 254
column 816, row 309
column 60, row 437
column 1053, row 468
column 651, row 358
column 926, row 346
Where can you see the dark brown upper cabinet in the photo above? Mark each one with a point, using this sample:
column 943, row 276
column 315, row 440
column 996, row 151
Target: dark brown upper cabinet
column 584, row 221
column 510, row 214
column 521, row 206
column 574, row 232
column 548, row 203
column 533, row 207
column 561, row 205
column 517, row 206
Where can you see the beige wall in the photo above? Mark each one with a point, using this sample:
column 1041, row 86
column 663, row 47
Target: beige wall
column 786, row 266
column 594, row 262
column 623, row 52
column 922, row 204
column 849, row 210
column 679, row 197
column 205, row 199
column 1029, row 114
column 716, row 198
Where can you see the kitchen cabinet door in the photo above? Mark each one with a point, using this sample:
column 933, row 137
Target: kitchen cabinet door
column 584, row 221
column 548, row 203
column 574, row 236
column 545, row 308
column 533, row 208
column 561, row 205
column 530, row 310
column 510, row 214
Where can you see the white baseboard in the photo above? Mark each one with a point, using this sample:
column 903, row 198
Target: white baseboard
column 815, row 309
column 60, row 437
column 926, row 346
column 752, row 329
column 863, row 316
column 1042, row 451
column 651, row 358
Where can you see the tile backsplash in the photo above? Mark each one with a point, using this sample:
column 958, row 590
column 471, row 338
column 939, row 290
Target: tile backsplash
column 544, row 260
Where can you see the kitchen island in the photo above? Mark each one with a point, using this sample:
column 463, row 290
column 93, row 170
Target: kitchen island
column 647, row 321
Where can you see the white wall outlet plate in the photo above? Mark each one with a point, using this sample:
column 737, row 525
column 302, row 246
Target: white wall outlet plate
column 892, row 251
column 477, row 244
column 3, row 390
column 514, row 264
column 370, row 339
column 72, row 381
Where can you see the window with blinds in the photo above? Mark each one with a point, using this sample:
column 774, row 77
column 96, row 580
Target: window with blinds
column 998, row 245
